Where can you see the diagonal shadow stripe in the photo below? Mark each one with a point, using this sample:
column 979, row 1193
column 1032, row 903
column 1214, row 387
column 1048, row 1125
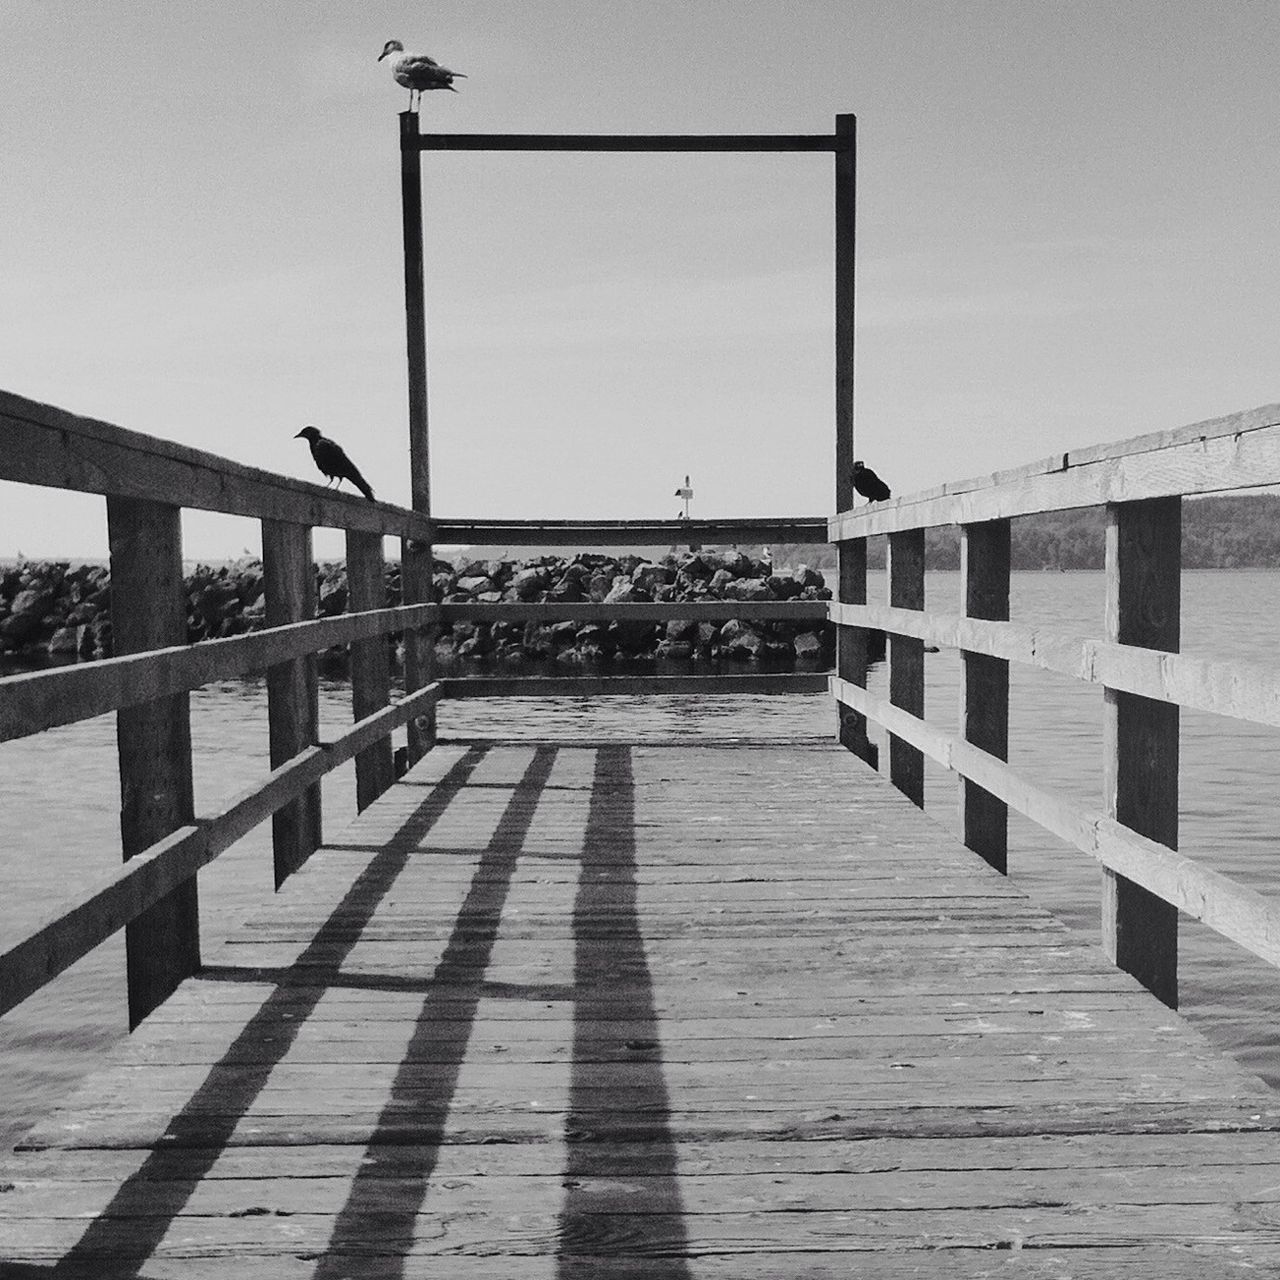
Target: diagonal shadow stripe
column 205, row 1125
column 611, row 972
column 428, row 1074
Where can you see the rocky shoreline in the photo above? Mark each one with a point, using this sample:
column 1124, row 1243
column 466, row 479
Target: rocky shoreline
column 56, row 611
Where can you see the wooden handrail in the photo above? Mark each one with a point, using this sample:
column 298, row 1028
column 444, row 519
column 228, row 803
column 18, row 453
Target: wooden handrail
column 1145, row 681
column 764, row 682
column 46, row 446
column 1232, row 909
column 1236, row 452
column 70, row 932
column 1241, row 690
column 630, row 533
column 38, row 700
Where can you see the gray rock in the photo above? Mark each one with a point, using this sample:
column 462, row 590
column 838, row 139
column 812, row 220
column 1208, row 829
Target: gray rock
column 649, row 577
column 740, row 639
column 529, row 583
column 807, row 645
column 66, row 640
column 677, row 650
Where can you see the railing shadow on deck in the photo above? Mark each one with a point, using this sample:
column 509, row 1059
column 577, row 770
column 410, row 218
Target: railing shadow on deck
column 622, row 1130
column 191, row 1144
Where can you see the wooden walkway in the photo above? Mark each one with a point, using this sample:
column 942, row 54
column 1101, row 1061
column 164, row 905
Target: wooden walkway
column 647, row 1010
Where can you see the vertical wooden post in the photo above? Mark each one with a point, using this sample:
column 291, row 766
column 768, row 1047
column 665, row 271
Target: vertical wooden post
column 370, row 663
column 416, row 557
column 984, row 568
column 906, row 659
column 851, row 648
column 416, row 588
column 1144, row 588
column 851, row 642
column 293, row 704
column 148, row 611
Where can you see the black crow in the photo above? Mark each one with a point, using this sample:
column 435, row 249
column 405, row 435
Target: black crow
column 867, row 483
column 331, row 458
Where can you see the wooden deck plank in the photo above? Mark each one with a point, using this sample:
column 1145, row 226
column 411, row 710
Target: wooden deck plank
column 651, row 1011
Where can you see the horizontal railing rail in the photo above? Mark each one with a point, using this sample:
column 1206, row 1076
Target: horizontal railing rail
column 1145, row 680
column 1240, row 451
column 46, row 446
column 39, row 700
column 1240, row 690
column 1232, row 909
column 635, row 533
column 583, row 686
column 37, row 955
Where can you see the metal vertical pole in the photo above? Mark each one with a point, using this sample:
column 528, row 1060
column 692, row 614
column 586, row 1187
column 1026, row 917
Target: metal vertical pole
column 851, row 642
column 416, row 555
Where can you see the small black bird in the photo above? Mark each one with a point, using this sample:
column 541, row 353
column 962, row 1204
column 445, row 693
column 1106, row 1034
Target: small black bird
column 867, row 483
column 332, row 459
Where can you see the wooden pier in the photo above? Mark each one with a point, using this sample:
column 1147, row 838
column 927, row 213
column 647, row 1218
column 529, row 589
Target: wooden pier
column 643, row 1009
column 652, row 1010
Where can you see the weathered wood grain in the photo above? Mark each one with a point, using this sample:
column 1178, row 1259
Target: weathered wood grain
column 1245, row 691
column 906, row 660
column 768, row 682
column 984, row 571
column 32, row 957
column 39, row 700
column 1239, row 451
column 292, row 688
column 1140, row 736
column 630, row 533
column 515, row 1021
column 1232, row 909
column 43, row 445
column 370, row 664
column 162, row 943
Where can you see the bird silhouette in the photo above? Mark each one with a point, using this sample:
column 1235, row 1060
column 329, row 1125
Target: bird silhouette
column 332, row 460
column 867, row 483
column 417, row 72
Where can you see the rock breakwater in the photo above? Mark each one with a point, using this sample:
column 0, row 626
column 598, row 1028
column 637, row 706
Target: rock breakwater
column 59, row 611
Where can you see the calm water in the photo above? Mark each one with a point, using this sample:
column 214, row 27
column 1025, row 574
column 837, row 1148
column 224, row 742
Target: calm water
column 1230, row 815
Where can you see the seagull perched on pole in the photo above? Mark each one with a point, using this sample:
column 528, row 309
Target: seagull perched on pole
column 332, row 460
column 417, row 72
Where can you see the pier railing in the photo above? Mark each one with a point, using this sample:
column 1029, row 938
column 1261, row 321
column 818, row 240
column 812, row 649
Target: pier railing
column 1144, row 679
column 146, row 483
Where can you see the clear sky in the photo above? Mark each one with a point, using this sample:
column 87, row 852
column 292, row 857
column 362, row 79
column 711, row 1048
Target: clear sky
column 1067, row 225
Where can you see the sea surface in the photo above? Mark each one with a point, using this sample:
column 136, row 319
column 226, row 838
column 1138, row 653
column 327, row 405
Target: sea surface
column 59, row 802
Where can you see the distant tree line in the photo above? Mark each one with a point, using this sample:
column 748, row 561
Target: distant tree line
column 1236, row 532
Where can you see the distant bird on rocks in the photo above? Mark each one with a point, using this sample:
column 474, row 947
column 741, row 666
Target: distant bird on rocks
column 417, row 72
column 332, row 460
column 867, row 483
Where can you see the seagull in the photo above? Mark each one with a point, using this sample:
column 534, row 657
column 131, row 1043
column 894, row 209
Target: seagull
column 332, row 459
column 417, row 72
column 867, row 483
